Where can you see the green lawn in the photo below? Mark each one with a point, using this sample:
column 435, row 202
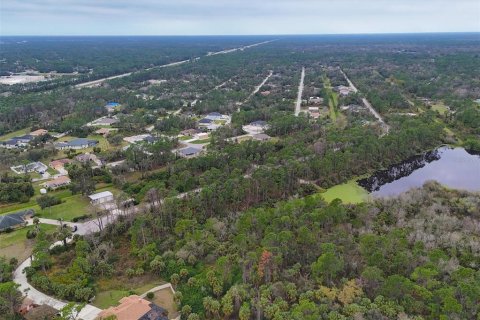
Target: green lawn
column 349, row 192
column 440, row 108
column 7, row 239
column 201, row 141
column 109, row 298
column 16, row 245
column 14, row 134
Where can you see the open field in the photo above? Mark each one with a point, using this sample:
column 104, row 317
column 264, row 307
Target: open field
column 349, row 192
column 72, row 205
column 16, row 245
column 10, row 135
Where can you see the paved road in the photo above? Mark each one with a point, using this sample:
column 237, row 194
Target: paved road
column 99, row 81
column 367, row 104
column 300, row 93
column 89, row 312
column 255, row 90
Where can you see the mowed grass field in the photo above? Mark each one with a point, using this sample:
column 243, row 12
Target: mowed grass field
column 72, row 205
column 16, row 245
column 349, row 192
column 14, row 134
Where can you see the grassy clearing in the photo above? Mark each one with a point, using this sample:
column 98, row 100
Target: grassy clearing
column 201, row 141
column 349, row 192
column 10, row 135
column 109, row 298
column 440, row 108
column 72, row 205
column 16, row 245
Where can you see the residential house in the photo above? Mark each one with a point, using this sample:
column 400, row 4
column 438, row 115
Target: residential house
column 15, row 220
column 77, row 143
column 103, row 121
column 315, row 100
column 205, row 122
column 104, row 131
column 344, row 91
column 254, row 127
column 39, row 132
column 139, row 138
column 134, row 308
column 17, row 142
column 56, row 183
column 89, row 157
column 189, row 152
column 101, row 197
column 216, row 116
column 265, row 93
column 190, row 132
column 31, row 167
column 112, row 106
column 59, row 164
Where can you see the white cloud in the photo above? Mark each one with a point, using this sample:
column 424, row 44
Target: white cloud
column 236, row 16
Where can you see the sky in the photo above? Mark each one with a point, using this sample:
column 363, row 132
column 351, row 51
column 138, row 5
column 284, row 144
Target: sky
column 230, row 17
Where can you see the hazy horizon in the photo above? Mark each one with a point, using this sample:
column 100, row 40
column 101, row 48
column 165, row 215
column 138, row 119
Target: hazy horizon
column 246, row 17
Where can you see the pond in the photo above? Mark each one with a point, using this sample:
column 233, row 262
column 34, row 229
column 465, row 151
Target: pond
column 453, row 167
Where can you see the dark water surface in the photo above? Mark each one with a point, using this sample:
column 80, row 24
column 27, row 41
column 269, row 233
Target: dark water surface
column 453, row 167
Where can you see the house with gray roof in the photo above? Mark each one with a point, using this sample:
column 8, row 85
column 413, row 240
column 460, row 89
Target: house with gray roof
column 15, row 220
column 189, row 152
column 77, row 143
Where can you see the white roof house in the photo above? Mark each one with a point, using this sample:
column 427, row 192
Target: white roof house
column 101, row 197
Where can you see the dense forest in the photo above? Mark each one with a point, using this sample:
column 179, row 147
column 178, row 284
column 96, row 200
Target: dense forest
column 414, row 256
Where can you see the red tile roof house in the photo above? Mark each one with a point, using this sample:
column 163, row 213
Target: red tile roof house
column 59, row 182
column 59, row 164
column 135, row 308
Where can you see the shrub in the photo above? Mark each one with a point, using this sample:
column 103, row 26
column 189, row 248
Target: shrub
column 150, row 295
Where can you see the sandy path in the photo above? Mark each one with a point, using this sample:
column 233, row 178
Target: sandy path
column 300, row 93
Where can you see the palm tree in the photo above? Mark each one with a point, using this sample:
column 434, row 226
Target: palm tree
column 63, row 232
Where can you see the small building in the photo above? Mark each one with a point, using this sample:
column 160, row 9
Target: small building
column 134, row 308
column 265, row 93
column 56, row 183
column 101, row 197
column 59, row 164
column 39, row 132
column 202, row 136
column 261, row 137
column 15, row 220
column 76, row 144
column 189, row 152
